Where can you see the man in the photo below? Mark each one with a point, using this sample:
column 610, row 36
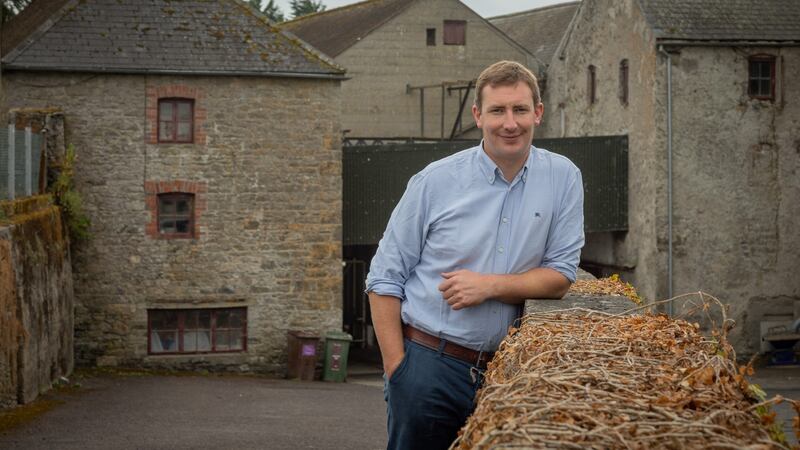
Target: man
column 474, row 235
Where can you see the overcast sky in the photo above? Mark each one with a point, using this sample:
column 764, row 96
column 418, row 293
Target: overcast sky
column 486, row 8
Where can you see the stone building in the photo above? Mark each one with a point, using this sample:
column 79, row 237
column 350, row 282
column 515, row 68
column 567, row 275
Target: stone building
column 707, row 93
column 209, row 162
column 409, row 63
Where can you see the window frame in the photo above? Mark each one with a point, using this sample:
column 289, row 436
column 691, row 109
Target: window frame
column 191, row 215
column 174, row 119
column 591, row 84
column 454, row 26
column 182, row 313
column 762, row 58
column 624, row 77
column 430, row 37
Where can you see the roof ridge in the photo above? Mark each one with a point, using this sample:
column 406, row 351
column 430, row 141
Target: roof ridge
column 539, row 9
column 321, row 13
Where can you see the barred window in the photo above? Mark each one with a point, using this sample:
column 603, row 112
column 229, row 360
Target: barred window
column 761, row 79
column 591, row 84
column 623, row 82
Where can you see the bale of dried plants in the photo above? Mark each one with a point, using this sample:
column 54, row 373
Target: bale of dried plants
column 582, row 379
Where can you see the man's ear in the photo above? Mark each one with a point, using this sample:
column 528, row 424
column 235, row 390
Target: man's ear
column 476, row 114
column 538, row 112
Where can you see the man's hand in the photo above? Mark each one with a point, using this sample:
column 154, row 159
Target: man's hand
column 390, row 366
column 464, row 288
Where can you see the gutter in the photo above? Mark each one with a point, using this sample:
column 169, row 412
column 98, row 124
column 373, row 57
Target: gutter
column 133, row 71
column 669, row 178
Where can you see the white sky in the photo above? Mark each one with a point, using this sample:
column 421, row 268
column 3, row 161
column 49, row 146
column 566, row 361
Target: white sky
column 486, row 8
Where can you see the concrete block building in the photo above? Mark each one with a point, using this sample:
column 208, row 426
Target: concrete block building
column 409, row 63
column 707, row 93
column 209, row 162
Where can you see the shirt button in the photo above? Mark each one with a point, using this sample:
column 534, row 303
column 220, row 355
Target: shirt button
column 505, row 219
column 500, row 249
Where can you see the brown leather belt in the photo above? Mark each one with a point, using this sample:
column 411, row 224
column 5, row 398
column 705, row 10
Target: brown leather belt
column 474, row 357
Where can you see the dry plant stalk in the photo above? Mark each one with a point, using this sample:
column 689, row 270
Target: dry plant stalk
column 582, row 379
column 612, row 285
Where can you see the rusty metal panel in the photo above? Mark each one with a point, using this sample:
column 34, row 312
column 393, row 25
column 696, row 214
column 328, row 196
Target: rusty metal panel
column 375, row 177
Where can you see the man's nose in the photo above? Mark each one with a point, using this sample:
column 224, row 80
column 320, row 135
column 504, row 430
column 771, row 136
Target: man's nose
column 509, row 122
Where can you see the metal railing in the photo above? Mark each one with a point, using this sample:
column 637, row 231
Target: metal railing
column 20, row 162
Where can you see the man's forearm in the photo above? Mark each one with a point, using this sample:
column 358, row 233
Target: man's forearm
column 388, row 329
column 541, row 282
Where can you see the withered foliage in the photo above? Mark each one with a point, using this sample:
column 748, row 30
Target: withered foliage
column 581, row 379
column 612, row 285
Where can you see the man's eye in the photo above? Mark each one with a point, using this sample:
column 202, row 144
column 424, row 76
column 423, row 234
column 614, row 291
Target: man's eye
column 521, row 110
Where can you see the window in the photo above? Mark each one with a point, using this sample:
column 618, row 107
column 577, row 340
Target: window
column 176, row 214
column 591, row 82
column 196, row 330
column 175, row 120
column 430, row 36
column 623, row 82
column 455, row 32
column 761, row 80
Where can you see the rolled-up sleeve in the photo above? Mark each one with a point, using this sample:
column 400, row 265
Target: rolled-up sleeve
column 401, row 246
column 566, row 238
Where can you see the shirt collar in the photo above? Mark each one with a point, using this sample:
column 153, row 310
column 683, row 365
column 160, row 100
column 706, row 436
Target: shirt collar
column 491, row 172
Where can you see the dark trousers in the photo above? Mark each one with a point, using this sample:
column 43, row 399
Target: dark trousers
column 429, row 397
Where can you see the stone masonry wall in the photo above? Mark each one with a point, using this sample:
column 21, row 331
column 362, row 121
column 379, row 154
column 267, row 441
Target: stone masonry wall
column 736, row 184
column 395, row 55
column 36, row 299
column 735, row 162
column 269, row 238
column 606, row 32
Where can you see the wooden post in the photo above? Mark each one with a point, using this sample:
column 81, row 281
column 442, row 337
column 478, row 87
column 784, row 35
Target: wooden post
column 11, row 162
column 28, row 163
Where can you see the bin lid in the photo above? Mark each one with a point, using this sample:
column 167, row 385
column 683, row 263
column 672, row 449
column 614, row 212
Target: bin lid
column 303, row 334
column 338, row 336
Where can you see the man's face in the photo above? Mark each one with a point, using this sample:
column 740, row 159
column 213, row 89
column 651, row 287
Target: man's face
column 507, row 117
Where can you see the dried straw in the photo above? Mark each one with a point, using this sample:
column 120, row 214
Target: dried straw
column 582, row 379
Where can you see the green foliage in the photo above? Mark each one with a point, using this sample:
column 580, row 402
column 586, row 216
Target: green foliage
column 10, row 8
column 63, row 191
column 271, row 10
column 305, row 7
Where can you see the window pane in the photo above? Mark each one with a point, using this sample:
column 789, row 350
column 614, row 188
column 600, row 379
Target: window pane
column 184, row 111
column 168, row 340
column 182, row 206
column 166, row 205
column 163, row 320
column 165, row 111
column 430, row 36
column 166, row 130
column 189, row 341
column 184, row 131
column 222, row 340
column 204, row 319
column 182, row 226
column 223, row 319
column 765, row 69
column 765, row 88
column 754, row 69
column 236, row 319
column 203, row 340
column 235, row 340
column 190, row 320
column 167, row 226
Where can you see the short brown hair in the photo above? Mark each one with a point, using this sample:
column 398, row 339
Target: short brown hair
column 504, row 73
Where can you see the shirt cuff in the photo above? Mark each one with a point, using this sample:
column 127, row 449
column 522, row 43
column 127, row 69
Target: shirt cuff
column 567, row 270
column 383, row 287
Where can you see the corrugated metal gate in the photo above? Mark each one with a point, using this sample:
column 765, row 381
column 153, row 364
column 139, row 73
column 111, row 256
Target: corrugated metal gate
column 375, row 176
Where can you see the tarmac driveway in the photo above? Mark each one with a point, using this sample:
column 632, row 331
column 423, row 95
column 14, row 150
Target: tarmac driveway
column 205, row 412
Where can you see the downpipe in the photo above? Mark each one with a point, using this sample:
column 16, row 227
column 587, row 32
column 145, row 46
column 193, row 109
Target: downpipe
column 670, row 308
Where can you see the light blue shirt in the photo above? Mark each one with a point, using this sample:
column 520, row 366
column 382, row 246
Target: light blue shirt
column 460, row 213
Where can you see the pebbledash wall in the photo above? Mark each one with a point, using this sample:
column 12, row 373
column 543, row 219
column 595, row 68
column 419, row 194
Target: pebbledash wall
column 736, row 161
column 265, row 169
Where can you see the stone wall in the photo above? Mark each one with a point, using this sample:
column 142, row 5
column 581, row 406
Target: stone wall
column 735, row 163
column 268, row 176
column 395, row 55
column 603, row 34
column 36, row 299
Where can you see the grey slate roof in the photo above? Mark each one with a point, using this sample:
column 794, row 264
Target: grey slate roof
column 335, row 30
column 538, row 30
column 724, row 20
column 222, row 37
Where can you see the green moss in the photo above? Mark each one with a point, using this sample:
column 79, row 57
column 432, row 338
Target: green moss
column 26, row 413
